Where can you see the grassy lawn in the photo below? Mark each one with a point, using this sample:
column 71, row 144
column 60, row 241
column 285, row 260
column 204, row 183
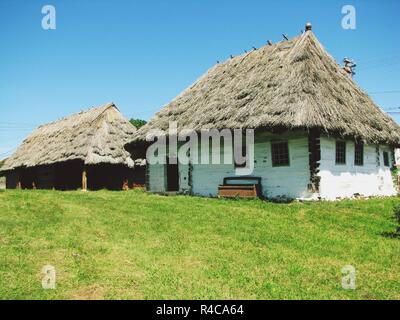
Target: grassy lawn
column 133, row 245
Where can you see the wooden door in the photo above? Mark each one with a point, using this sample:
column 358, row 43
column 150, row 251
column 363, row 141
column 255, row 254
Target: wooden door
column 172, row 174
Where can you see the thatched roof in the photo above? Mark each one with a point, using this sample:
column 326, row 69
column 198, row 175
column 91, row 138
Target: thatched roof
column 94, row 136
column 2, row 162
column 293, row 84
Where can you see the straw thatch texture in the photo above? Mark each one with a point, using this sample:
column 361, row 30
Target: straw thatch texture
column 94, row 136
column 293, row 84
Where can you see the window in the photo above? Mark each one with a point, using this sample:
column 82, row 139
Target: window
column 386, row 158
column 359, row 154
column 340, row 152
column 280, row 154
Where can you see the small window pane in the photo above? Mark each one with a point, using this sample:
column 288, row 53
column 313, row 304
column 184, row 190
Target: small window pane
column 340, row 152
column 280, row 154
column 386, row 159
column 359, row 154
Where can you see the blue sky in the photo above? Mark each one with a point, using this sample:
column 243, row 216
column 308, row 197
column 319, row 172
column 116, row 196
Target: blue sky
column 141, row 54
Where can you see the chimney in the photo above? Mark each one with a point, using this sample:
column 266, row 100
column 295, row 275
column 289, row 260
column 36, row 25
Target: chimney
column 349, row 66
column 308, row 26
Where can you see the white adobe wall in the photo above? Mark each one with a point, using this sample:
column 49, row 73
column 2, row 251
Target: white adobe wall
column 207, row 177
column 337, row 181
column 184, row 178
column 345, row 180
column 157, row 178
column 397, row 156
column 289, row 181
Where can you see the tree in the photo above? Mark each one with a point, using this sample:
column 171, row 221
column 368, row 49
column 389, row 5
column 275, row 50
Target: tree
column 138, row 123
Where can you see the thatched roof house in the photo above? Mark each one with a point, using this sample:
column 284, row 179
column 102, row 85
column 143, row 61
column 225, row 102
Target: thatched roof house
column 289, row 88
column 92, row 140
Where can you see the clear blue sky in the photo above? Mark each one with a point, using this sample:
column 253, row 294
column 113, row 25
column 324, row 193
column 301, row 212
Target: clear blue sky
column 141, row 54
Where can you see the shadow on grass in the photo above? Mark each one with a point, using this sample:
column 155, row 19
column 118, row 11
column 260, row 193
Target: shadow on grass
column 391, row 235
column 263, row 199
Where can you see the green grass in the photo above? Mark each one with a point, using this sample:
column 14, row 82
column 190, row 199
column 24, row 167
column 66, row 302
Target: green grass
column 133, row 245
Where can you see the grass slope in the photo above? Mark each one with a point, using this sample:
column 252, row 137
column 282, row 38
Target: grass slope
column 140, row 246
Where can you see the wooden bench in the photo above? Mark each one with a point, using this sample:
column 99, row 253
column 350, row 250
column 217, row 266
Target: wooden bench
column 252, row 189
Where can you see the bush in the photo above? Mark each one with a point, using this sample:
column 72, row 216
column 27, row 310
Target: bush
column 137, row 123
column 396, row 212
column 395, row 177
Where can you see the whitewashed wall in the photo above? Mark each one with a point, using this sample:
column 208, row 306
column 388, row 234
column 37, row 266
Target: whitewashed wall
column 345, row 180
column 184, row 178
column 337, row 181
column 288, row 181
column 397, row 156
column 157, row 178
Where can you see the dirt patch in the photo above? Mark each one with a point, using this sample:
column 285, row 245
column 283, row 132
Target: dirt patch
column 94, row 292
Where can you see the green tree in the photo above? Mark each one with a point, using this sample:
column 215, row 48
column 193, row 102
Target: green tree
column 138, row 122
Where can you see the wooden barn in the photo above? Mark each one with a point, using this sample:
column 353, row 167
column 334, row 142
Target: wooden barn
column 82, row 151
column 317, row 134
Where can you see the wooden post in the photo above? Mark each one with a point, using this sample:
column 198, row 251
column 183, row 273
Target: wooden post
column 84, row 179
column 19, row 183
column 125, row 185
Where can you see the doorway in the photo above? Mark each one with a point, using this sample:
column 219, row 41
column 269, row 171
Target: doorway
column 172, row 174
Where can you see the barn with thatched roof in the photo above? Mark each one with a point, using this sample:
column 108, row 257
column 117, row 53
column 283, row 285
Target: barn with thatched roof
column 317, row 134
column 84, row 150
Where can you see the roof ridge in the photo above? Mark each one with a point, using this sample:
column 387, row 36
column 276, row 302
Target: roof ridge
column 99, row 118
column 295, row 84
column 80, row 113
column 273, row 46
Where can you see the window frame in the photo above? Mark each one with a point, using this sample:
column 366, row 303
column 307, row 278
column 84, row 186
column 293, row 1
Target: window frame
column 386, row 161
column 344, row 152
column 359, row 156
column 274, row 156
